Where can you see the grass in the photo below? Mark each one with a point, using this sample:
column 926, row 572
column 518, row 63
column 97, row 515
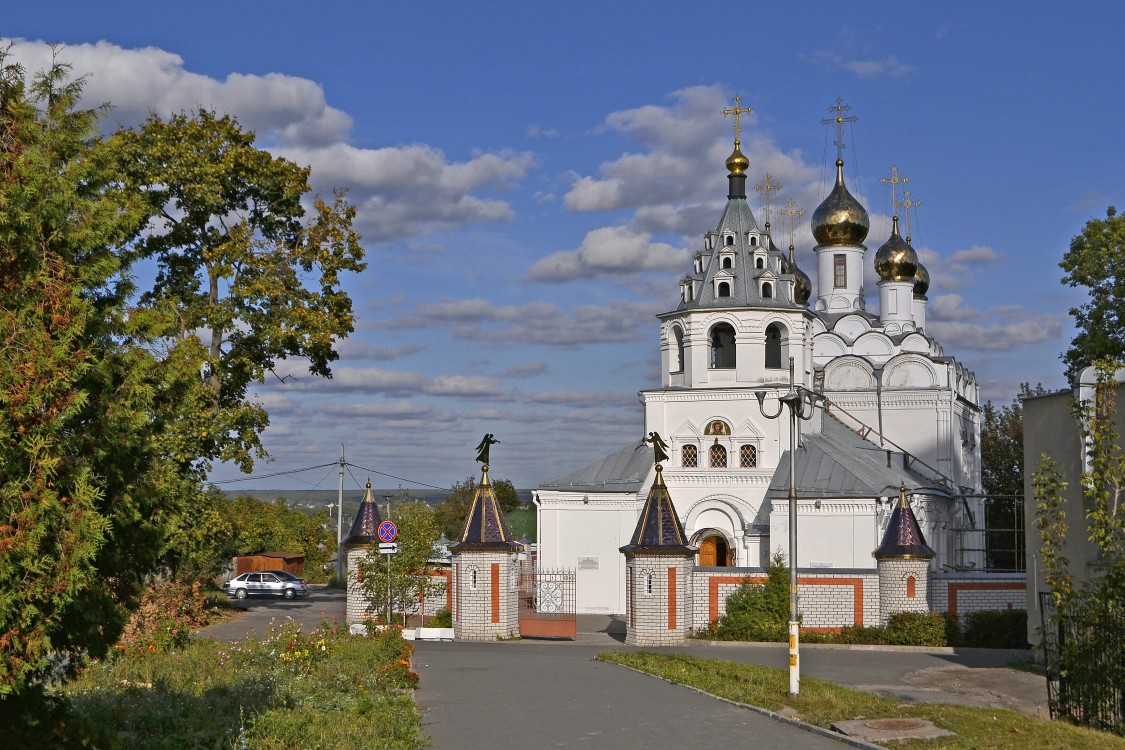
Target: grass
column 324, row 689
column 821, row 703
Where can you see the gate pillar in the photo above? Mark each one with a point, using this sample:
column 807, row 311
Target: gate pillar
column 658, row 568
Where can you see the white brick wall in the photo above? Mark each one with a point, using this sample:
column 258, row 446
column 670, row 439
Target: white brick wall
column 648, row 595
column 962, row 593
column 474, row 595
column 895, row 575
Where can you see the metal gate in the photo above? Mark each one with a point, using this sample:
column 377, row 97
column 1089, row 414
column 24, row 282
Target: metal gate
column 547, row 604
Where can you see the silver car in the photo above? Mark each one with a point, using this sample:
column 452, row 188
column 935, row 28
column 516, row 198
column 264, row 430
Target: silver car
column 266, row 583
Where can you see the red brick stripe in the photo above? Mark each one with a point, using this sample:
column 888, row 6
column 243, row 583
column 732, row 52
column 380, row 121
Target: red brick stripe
column 671, row 598
column 496, row 592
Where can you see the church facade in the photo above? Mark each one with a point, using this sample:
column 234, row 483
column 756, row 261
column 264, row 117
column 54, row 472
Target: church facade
column 896, row 412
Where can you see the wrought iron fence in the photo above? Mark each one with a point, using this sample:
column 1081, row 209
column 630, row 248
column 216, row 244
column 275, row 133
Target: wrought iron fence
column 547, row 603
column 1085, row 657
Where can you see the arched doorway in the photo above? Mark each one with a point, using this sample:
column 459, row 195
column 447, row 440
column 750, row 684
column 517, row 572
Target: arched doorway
column 714, row 552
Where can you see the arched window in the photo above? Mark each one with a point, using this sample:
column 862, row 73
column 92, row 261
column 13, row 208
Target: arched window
column 724, row 289
column 648, row 584
column 767, row 290
column 472, row 578
column 730, row 240
column 728, row 262
column 689, row 457
column 773, row 346
column 753, row 241
column 677, row 354
column 759, row 263
column 722, row 347
column 718, row 456
column 748, row 457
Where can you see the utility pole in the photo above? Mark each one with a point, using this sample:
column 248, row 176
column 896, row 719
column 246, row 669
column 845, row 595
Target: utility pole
column 340, row 523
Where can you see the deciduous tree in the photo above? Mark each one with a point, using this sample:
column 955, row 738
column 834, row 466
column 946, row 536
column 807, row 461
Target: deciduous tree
column 1096, row 262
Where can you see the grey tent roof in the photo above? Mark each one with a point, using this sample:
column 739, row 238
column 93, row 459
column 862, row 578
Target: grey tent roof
column 837, row 463
column 622, row 471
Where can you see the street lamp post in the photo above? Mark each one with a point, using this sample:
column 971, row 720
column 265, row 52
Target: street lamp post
column 796, row 400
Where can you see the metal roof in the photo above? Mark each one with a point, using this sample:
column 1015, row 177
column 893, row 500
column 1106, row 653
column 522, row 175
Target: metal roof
column 659, row 528
column 835, row 462
column 622, row 471
column 365, row 527
column 485, row 527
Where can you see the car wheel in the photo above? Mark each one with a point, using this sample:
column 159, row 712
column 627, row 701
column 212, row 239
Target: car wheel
column 290, row 593
column 240, row 594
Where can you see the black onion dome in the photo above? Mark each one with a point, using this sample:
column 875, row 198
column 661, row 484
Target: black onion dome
column 896, row 259
column 840, row 219
column 921, row 281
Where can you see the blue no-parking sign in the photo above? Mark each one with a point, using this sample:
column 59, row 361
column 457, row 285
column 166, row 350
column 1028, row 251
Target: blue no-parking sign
column 387, row 531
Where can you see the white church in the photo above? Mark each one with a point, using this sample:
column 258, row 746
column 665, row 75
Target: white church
column 896, row 411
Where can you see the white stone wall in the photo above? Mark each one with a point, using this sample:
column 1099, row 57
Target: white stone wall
column 962, row 593
column 833, row 599
column 897, row 577
column 486, row 585
column 650, row 594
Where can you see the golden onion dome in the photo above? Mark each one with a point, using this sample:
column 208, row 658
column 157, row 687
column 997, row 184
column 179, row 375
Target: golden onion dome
column 802, row 284
column 896, row 259
column 921, row 281
column 840, row 219
column 737, row 163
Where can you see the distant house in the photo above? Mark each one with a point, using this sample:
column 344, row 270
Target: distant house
column 1049, row 428
column 287, row 561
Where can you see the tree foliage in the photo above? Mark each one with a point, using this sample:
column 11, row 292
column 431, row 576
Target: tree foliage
column 238, row 267
column 1096, row 261
column 106, row 426
column 404, row 574
column 758, row 612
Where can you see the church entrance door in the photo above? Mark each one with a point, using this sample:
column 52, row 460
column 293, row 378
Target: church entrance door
column 714, row 552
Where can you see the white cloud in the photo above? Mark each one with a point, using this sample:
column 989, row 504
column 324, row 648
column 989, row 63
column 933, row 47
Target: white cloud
column 399, row 190
column 998, row 329
column 529, row 369
column 539, row 323
column 889, row 66
column 609, row 250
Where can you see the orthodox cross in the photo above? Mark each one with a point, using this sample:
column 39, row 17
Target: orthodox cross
column 736, row 111
column 893, row 181
column 838, row 119
column 908, row 205
column 765, row 188
column 791, row 215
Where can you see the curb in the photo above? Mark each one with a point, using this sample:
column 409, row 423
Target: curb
column 797, row 723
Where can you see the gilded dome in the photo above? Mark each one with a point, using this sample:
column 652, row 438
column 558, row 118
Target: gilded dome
column 737, row 163
column 896, row 260
column 802, row 284
column 840, row 219
column 921, row 281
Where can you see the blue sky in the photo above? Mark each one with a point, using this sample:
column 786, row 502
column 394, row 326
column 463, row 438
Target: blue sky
column 532, row 182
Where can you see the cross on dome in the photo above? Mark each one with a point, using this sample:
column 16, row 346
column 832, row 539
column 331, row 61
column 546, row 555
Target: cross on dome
column 791, row 215
column 765, row 188
column 893, row 180
column 908, row 204
column 736, row 111
column 838, row 120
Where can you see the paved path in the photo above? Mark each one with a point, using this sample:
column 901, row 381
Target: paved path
column 521, row 695
column 256, row 613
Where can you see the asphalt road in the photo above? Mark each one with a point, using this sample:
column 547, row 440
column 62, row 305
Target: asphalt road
column 256, row 613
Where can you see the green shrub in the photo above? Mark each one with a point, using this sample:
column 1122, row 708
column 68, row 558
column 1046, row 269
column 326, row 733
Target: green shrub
column 757, row 612
column 443, row 618
column 917, row 629
column 996, row 629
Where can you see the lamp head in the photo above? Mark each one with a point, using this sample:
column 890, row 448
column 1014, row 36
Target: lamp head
column 761, row 396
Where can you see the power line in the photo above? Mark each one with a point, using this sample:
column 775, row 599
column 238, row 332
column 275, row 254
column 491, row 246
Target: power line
column 401, row 479
column 275, row 474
